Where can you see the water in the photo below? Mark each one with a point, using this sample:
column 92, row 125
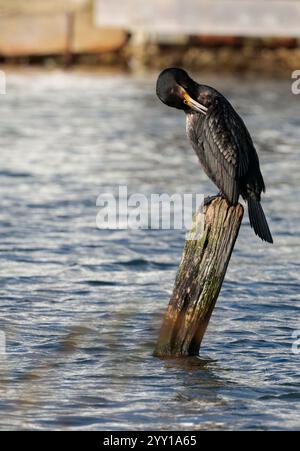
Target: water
column 81, row 308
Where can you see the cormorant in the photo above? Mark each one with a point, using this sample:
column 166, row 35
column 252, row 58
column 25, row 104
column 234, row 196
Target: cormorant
column 221, row 141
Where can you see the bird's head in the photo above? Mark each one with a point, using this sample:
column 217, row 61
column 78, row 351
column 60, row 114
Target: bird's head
column 176, row 89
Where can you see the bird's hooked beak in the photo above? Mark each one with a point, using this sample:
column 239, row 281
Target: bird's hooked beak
column 191, row 103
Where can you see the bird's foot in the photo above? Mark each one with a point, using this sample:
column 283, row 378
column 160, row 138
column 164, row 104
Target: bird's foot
column 208, row 200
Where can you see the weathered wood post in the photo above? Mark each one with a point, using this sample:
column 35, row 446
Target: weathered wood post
column 199, row 279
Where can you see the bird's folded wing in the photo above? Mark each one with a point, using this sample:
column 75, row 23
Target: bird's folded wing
column 225, row 139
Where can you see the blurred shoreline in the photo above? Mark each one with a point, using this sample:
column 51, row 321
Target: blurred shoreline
column 249, row 56
column 63, row 34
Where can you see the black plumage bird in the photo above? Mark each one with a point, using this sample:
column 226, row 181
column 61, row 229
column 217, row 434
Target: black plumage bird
column 221, row 141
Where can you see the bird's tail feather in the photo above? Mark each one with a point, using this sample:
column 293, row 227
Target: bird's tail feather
column 258, row 220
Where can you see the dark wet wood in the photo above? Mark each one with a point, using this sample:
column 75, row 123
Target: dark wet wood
column 199, row 279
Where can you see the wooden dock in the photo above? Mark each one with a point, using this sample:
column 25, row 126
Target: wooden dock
column 251, row 18
column 54, row 27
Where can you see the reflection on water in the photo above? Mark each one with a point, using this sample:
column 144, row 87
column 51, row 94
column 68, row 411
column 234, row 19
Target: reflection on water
column 81, row 308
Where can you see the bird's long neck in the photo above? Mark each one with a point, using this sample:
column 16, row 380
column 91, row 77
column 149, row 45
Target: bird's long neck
column 206, row 95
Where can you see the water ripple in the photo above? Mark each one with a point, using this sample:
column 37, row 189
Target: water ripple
column 81, row 308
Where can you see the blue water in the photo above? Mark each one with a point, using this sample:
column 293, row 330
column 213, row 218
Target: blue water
column 81, row 308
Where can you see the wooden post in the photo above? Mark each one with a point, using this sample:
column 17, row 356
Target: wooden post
column 199, row 279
